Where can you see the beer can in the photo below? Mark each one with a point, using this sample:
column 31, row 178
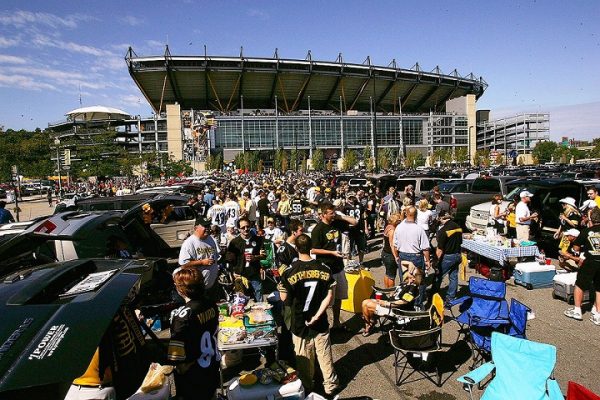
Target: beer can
column 378, row 295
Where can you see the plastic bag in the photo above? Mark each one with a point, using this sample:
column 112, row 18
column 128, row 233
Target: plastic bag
column 155, row 378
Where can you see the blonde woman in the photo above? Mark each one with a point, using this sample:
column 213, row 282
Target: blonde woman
column 424, row 215
column 389, row 253
column 283, row 209
column 569, row 218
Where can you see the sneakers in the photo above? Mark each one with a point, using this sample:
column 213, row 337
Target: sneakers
column 575, row 314
column 595, row 318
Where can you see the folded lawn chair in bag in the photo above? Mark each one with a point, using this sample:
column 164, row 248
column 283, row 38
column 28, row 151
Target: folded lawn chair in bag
column 575, row 391
column 415, row 340
column 523, row 371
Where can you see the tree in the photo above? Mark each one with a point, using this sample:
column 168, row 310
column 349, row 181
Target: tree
column 461, row 155
column 350, row 160
column 318, row 160
column 543, row 151
column 330, row 165
column 294, row 159
column 414, row 159
column 499, row 159
column 385, row 157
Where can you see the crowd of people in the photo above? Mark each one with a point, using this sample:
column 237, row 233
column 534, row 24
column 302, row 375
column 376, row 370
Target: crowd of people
column 314, row 229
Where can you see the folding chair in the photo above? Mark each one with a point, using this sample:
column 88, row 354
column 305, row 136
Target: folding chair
column 413, row 343
column 523, row 371
column 575, row 391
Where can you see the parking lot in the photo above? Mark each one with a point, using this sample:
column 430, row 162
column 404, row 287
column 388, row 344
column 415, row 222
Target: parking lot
column 365, row 368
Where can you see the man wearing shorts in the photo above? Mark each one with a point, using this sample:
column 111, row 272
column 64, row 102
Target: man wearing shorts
column 326, row 241
column 588, row 276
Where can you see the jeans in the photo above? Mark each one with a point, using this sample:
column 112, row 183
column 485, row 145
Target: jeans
column 419, row 261
column 257, row 288
column 449, row 265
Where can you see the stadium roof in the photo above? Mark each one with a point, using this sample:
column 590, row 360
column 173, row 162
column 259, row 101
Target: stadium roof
column 220, row 83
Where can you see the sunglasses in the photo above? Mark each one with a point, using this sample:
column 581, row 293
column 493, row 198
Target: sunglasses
column 243, row 228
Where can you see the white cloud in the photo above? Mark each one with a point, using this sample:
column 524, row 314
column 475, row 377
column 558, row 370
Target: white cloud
column 110, row 63
column 155, row 43
column 6, row 59
column 45, row 41
column 9, row 42
column 23, row 82
column 26, row 18
column 131, row 20
column 132, row 100
column 254, row 13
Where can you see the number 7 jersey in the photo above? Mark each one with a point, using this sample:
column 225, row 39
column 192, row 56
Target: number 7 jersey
column 307, row 284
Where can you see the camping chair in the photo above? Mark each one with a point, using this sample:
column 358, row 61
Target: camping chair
column 523, row 371
column 575, row 391
column 416, row 339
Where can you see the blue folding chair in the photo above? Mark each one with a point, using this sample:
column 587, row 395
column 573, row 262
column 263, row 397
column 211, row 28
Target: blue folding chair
column 523, row 371
column 483, row 311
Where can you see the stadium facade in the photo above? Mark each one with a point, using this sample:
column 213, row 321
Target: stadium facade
column 233, row 104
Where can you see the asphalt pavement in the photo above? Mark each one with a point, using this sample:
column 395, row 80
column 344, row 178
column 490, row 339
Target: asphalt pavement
column 365, row 364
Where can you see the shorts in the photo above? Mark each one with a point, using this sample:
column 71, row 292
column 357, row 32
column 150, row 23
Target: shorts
column 340, row 290
column 390, row 264
column 383, row 311
column 588, row 276
column 360, row 239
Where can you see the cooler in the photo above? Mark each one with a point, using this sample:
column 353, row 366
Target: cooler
column 532, row 275
column 290, row 391
column 564, row 287
column 360, row 287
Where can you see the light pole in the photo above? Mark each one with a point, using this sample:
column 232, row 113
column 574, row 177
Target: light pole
column 57, row 144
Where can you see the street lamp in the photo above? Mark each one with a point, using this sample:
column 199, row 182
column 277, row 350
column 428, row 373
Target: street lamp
column 57, row 144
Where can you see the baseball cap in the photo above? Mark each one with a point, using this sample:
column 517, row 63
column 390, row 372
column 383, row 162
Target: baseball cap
column 526, row 193
column 572, row 232
column 202, row 221
column 588, row 204
column 445, row 215
column 568, row 200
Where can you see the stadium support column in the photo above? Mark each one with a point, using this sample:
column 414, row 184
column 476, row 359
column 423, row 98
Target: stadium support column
column 310, row 138
column 401, row 130
column 242, row 119
column 174, row 131
column 341, row 129
column 373, row 128
column 276, row 124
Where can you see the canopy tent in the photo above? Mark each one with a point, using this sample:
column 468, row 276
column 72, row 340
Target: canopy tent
column 97, row 113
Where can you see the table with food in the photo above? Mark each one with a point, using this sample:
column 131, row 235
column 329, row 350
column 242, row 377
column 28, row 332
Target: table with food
column 243, row 325
column 495, row 251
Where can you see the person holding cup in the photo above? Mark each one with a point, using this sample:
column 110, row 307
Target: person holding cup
column 200, row 251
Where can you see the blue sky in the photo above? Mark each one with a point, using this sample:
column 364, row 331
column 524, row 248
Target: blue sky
column 537, row 56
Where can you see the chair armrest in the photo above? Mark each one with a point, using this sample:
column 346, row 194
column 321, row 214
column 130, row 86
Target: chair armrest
column 475, row 320
column 553, row 389
column 477, row 375
column 384, row 290
column 460, row 300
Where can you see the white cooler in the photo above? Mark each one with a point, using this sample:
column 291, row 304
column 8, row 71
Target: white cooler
column 534, row 275
column 564, row 287
column 273, row 391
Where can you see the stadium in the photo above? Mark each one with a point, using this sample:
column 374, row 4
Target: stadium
column 209, row 103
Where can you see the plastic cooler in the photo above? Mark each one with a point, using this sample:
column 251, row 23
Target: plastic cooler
column 533, row 275
column 360, row 287
column 564, row 287
column 290, row 391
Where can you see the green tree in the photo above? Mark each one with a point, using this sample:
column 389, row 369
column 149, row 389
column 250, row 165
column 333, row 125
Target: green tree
column 414, row 159
column 385, row 157
column 543, row 151
column 499, row 159
column 350, row 160
column 318, row 160
column 461, row 155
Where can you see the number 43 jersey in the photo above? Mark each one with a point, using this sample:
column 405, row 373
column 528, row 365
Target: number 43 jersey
column 307, row 284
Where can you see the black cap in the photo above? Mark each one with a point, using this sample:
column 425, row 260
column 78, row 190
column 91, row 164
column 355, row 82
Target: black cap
column 200, row 220
column 445, row 215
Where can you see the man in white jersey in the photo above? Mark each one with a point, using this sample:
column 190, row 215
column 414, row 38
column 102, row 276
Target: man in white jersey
column 217, row 215
column 232, row 209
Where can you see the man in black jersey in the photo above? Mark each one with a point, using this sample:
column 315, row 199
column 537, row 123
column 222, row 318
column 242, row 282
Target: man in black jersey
column 326, row 240
column 358, row 232
column 287, row 253
column 297, row 206
column 193, row 345
column 307, row 287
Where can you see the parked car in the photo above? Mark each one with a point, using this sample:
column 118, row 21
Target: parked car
column 74, row 235
column 421, row 184
column 55, row 317
column 547, row 194
column 480, row 190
